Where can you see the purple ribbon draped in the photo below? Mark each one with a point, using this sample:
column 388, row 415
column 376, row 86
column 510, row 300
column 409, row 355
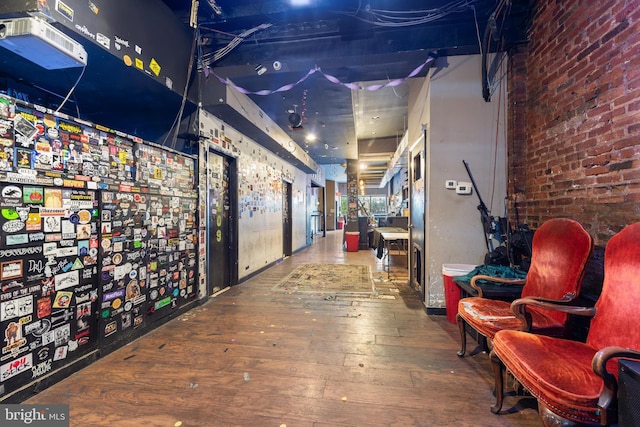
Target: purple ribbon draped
column 329, row 77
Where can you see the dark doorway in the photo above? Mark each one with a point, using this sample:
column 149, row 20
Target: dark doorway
column 287, row 229
column 222, row 270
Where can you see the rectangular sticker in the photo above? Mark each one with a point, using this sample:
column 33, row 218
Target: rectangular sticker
column 11, row 270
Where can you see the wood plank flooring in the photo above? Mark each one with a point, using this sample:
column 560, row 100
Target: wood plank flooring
column 310, row 360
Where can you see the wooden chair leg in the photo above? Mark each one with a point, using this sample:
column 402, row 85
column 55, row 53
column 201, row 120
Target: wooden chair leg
column 462, row 326
column 498, row 369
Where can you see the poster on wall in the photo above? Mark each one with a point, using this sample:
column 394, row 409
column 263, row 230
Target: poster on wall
column 48, row 262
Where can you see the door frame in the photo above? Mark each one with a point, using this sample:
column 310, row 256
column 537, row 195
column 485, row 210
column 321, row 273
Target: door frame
column 417, row 227
column 231, row 276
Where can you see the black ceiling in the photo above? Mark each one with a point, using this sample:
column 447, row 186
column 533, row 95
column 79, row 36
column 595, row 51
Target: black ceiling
column 352, row 41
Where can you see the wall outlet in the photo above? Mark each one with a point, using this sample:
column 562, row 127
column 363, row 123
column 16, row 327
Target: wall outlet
column 464, row 188
column 450, row 184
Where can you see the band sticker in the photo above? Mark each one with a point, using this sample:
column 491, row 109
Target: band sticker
column 67, row 280
column 16, row 367
column 11, row 270
column 62, row 299
column 16, row 308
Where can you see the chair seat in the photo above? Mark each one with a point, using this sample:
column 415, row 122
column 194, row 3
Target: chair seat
column 489, row 316
column 556, row 371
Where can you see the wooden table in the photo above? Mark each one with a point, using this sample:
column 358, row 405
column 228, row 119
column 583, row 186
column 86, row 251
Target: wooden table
column 399, row 238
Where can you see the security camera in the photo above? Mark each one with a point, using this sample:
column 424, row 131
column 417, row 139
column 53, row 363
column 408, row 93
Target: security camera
column 3, row 31
column 277, row 65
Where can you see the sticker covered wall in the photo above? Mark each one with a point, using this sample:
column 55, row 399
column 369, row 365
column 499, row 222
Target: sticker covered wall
column 97, row 242
column 148, row 253
column 48, row 262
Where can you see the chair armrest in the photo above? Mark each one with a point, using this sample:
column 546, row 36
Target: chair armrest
column 519, row 308
column 610, row 391
column 493, row 279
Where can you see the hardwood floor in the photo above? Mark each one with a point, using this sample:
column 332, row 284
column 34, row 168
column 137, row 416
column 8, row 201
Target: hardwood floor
column 309, row 360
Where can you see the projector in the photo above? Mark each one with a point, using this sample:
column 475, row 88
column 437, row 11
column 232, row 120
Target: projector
column 41, row 43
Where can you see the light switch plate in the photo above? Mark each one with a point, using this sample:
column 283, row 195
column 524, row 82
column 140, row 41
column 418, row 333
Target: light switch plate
column 464, row 188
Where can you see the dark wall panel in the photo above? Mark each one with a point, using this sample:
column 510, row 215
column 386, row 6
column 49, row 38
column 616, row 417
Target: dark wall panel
column 144, row 34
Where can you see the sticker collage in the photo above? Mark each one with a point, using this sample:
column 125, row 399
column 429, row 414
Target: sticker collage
column 98, row 239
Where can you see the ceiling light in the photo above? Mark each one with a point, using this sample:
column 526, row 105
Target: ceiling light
column 295, row 120
column 300, row 2
column 363, row 166
column 311, row 137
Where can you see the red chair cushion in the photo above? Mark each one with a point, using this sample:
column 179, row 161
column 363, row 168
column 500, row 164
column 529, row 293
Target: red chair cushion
column 560, row 253
column 488, row 316
column 556, row 371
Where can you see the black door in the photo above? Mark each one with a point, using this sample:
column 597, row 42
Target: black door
column 287, row 231
column 223, row 250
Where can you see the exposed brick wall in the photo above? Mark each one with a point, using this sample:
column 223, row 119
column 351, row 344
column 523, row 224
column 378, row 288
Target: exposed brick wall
column 582, row 120
column 517, row 135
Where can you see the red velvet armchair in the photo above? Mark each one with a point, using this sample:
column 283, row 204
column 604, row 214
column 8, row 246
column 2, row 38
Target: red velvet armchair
column 576, row 383
column 559, row 256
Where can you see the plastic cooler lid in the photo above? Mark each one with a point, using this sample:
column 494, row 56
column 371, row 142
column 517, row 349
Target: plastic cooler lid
column 452, row 270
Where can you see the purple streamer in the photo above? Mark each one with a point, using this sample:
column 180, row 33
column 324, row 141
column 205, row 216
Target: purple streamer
column 332, row 79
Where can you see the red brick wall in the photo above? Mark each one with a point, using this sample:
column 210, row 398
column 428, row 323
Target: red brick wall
column 517, row 135
column 582, row 118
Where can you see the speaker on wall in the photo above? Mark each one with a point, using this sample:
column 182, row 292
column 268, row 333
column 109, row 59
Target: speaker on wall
column 628, row 393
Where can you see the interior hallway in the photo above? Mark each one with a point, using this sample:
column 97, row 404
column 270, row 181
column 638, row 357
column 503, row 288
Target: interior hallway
column 311, row 360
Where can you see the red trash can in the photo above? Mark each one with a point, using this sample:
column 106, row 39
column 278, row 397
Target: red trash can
column 353, row 240
column 451, row 290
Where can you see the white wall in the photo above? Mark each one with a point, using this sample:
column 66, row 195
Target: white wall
column 462, row 126
column 260, row 194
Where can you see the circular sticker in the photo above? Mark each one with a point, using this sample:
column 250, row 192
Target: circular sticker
column 10, row 214
column 117, row 258
column 49, row 120
column 53, row 133
column 105, row 314
column 84, row 216
column 74, row 218
column 58, row 182
column 116, row 304
column 154, row 294
column 106, row 243
column 128, row 306
column 176, row 291
column 93, row 252
column 183, row 292
column 133, row 274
